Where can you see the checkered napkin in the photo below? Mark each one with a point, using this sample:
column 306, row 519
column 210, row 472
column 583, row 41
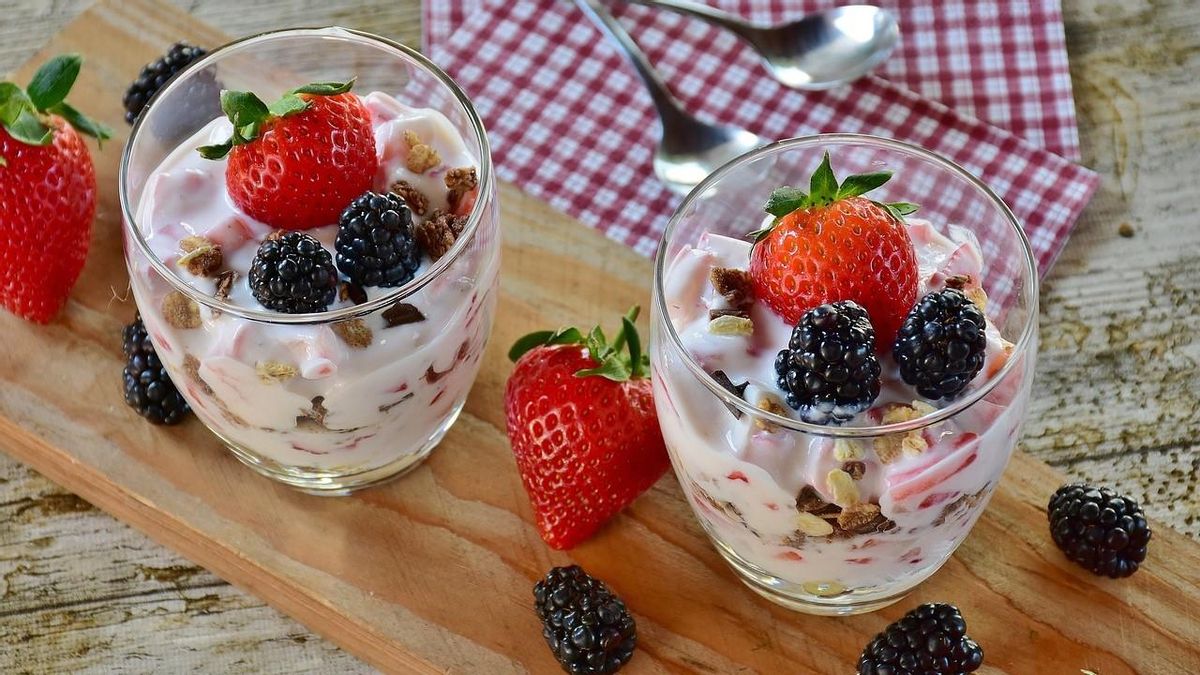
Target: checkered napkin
column 571, row 124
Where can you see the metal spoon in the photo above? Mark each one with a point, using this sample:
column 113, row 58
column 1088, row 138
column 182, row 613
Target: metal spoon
column 689, row 149
column 819, row 51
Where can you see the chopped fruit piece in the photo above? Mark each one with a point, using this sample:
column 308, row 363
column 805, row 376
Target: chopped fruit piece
column 148, row 388
column 829, row 370
column 458, row 183
column 297, row 163
column 930, row 639
column 293, row 273
column 437, row 234
column 940, row 346
column 587, row 627
column 375, row 242
column 583, row 427
column 158, row 72
column 47, row 191
column 833, row 244
column 1100, row 530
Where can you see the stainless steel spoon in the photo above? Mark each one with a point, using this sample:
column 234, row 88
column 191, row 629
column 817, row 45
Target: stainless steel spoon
column 689, row 149
column 819, row 51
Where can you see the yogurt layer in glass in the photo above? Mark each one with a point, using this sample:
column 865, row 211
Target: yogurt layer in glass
column 837, row 519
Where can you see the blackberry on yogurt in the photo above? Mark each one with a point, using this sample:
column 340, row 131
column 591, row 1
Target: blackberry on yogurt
column 829, row 371
column 375, row 243
column 293, row 273
column 941, row 344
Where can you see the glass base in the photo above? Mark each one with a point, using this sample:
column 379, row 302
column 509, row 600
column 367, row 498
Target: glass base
column 821, row 599
column 339, row 484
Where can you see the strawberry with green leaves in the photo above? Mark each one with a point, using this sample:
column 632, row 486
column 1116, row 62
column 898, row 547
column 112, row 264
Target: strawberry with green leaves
column 297, row 163
column 47, row 190
column 583, row 428
column 833, row 244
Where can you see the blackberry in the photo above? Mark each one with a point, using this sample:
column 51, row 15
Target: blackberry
column 829, row 371
column 929, row 640
column 148, row 388
column 940, row 344
column 155, row 74
column 1099, row 529
column 587, row 627
column 375, row 243
column 293, row 273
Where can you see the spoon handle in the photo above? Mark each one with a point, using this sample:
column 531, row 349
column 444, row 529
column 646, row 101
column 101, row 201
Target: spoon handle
column 700, row 11
column 669, row 109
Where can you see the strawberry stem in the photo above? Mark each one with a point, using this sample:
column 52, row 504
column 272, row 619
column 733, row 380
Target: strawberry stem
column 613, row 363
column 249, row 114
column 23, row 112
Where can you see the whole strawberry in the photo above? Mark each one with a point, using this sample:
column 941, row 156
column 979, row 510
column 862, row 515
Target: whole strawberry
column 297, row 163
column 834, row 244
column 47, row 191
column 583, row 428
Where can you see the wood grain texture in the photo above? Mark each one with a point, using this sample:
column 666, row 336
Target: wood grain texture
column 65, row 567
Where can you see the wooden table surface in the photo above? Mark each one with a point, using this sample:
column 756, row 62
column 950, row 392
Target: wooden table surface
column 1116, row 398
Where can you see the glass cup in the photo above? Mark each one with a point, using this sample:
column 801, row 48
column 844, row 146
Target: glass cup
column 341, row 399
column 913, row 475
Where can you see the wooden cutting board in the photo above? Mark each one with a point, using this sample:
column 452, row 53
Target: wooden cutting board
column 433, row 573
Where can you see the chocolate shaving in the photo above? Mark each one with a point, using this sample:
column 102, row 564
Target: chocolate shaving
column 959, row 281
column 809, row 500
column 718, row 313
column 738, row 390
column 314, row 419
column 437, row 234
column 400, row 314
column 416, row 200
column 354, row 332
column 225, row 281
column 735, row 286
column 388, row 406
column 858, row 516
column 856, row 469
column 432, row 375
column 352, row 292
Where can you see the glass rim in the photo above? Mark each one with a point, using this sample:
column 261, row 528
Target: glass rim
column 393, row 295
column 1021, row 345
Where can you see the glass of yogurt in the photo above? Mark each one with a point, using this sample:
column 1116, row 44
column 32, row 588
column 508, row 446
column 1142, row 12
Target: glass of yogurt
column 362, row 389
column 837, row 518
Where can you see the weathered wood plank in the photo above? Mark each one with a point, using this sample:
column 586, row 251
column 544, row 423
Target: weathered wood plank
column 1116, row 382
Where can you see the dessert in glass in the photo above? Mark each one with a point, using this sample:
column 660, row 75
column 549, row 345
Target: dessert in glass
column 841, row 379
column 312, row 239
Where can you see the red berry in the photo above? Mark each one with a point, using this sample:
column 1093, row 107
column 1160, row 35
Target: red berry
column 585, row 446
column 47, row 201
column 302, row 170
column 852, row 249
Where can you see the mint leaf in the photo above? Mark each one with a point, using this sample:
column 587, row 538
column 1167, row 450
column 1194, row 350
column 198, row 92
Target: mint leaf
column 289, row 104
column 862, row 183
column 784, row 200
column 82, row 123
column 53, row 80
column 27, row 128
column 823, row 186
column 325, row 88
column 616, row 370
column 215, row 151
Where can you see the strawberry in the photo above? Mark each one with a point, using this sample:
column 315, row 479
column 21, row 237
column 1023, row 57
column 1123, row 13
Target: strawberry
column 583, row 428
column 299, row 162
column 833, row 244
column 47, row 191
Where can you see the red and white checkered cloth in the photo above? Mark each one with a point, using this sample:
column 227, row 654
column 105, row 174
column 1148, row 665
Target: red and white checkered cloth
column 570, row 123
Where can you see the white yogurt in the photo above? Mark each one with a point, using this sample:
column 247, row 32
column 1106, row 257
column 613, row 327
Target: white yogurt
column 743, row 479
column 345, row 409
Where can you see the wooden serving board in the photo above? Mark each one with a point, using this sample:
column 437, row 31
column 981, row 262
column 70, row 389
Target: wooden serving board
column 433, row 573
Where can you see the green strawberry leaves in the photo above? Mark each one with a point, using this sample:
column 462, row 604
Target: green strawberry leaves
column 620, row 360
column 23, row 111
column 249, row 113
column 823, row 190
